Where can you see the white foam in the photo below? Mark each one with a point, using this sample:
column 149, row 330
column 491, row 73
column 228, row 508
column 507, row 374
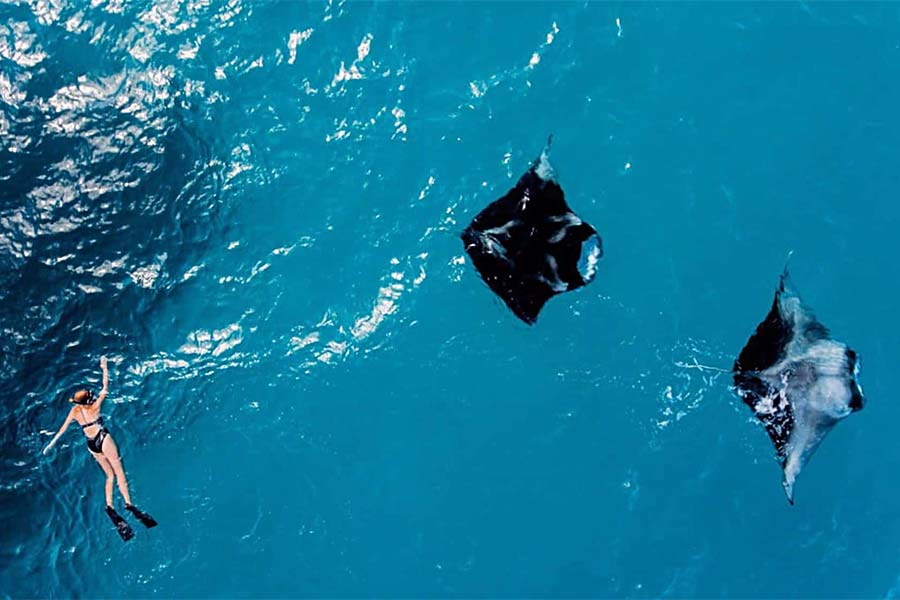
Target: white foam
column 544, row 169
column 590, row 256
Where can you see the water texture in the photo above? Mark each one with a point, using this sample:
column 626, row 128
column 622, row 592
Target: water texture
column 253, row 209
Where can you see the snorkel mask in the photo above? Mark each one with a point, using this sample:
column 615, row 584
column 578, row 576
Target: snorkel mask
column 86, row 398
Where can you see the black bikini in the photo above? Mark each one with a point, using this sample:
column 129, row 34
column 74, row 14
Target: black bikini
column 95, row 444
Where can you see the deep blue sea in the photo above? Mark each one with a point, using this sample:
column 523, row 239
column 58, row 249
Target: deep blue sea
column 253, row 208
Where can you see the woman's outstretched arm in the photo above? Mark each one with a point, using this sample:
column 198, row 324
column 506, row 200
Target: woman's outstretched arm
column 102, row 396
column 62, row 430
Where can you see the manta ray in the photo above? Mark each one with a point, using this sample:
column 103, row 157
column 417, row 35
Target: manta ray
column 529, row 246
column 797, row 380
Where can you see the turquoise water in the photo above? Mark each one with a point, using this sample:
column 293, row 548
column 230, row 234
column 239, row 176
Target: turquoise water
column 253, row 208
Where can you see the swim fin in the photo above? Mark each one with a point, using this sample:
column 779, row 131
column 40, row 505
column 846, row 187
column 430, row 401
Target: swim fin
column 141, row 516
column 122, row 526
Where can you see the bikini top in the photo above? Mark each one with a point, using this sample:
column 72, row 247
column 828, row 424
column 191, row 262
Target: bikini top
column 97, row 421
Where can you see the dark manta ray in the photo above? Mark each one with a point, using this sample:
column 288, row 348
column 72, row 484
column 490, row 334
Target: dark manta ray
column 797, row 379
column 529, row 246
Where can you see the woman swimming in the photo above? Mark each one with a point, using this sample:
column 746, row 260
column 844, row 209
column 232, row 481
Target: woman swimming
column 86, row 413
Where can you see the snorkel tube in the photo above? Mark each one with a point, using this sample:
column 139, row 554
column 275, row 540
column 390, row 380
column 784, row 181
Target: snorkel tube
column 83, row 397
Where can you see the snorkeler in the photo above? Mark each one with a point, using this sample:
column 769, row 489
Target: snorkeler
column 86, row 413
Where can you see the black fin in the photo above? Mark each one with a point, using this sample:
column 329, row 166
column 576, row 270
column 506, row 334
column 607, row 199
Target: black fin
column 122, row 526
column 141, row 516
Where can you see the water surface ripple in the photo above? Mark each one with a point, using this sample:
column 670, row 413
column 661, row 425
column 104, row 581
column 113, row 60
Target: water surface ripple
column 253, row 209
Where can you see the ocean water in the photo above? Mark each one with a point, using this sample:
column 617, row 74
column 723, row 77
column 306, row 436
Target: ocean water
column 253, row 209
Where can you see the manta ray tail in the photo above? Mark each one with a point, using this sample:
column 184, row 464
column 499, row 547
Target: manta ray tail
column 788, row 491
column 790, row 468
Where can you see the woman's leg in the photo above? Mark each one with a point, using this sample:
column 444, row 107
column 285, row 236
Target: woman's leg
column 108, row 470
column 111, row 452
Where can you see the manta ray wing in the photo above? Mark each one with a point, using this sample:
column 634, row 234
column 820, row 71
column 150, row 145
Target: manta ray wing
column 797, row 380
column 529, row 246
column 765, row 348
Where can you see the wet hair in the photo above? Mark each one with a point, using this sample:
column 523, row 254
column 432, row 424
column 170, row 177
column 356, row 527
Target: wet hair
column 82, row 396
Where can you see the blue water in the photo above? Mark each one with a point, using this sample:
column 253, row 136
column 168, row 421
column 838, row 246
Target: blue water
column 253, row 209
